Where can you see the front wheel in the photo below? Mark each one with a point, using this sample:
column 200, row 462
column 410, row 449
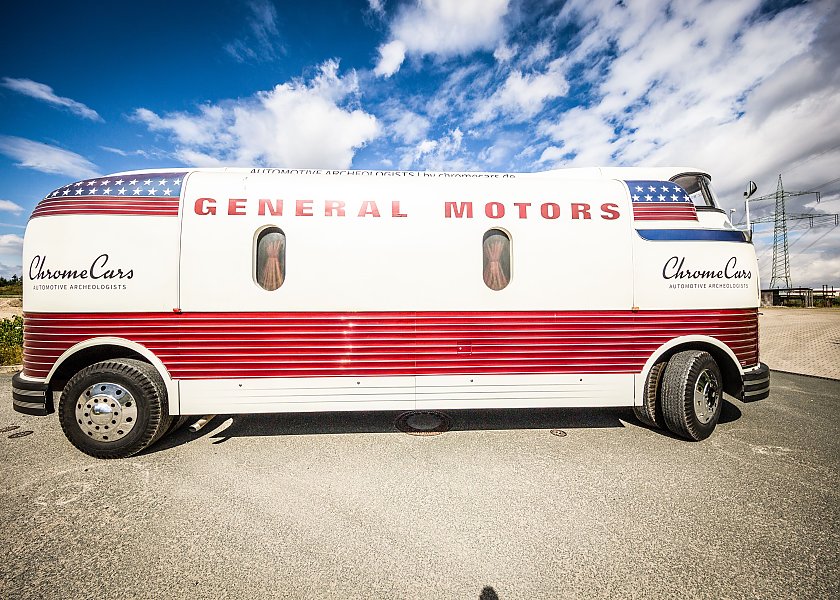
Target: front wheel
column 114, row 408
column 692, row 394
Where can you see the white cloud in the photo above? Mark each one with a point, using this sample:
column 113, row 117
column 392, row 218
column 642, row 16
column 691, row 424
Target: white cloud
column 498, row 154
column 11, row 254
column 405, row 125
column 377, row 6
column 715, row 97
column 442, row 28
column 8, row 271
column 295, row 124
column 121, row 152
column 540, row 52
column 443, row 154
column 504, row 53
column 552, row 154
column 523, row 95
column 391, row 57
column 45, row 158
column 41, row 91
column 262, row 42
column 9, row 206
column 709, row 85
column 11, row 243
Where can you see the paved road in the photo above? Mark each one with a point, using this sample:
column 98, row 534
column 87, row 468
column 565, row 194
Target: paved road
column 343, row 506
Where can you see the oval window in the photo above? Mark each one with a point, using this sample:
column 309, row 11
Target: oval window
column 496, row 251
column 270, row 261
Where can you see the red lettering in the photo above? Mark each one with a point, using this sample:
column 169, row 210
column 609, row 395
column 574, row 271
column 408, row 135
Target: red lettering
column 580, row 209
column 275, row 209
column 494, row 210
column 205, row 206
column 395, row 209
column 609, row 211
column 550, row 210
column 523, row 207
column 369, row 208
column 333, row 208
column 459, row 210
column 236, row 206
column 303, row 208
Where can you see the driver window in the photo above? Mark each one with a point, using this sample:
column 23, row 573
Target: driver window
column 698, row 188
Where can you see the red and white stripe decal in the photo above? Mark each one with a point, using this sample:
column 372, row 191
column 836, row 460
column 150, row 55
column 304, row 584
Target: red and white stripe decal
column 108, row 205
column 135, row 194
column 664, row 211
column 242, row 345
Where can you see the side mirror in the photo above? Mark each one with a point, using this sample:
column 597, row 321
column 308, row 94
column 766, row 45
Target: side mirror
column 751, row 189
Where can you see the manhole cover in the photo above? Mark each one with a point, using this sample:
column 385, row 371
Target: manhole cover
column 558, row 432
column 20, row 434
column 9, row 428
column 423, row 422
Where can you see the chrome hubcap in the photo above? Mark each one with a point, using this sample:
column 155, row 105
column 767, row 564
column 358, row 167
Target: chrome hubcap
column 706, row 396
column 106, row 412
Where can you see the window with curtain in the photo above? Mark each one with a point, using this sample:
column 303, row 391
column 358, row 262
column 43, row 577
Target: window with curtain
column 496, row 251
column 271, row 258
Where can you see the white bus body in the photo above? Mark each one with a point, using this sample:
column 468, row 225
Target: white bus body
column 207, row 291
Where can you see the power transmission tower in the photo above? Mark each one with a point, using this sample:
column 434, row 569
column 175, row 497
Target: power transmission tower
column 781, row 260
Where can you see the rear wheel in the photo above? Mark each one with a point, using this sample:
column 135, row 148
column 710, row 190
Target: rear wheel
column 692, row 394
column 114, row 408
column 650, row 412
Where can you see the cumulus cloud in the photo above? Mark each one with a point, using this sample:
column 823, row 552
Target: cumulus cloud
column 391, row 57
column 504, row 53
column 11, row 254
column 43, row 92
column 46, row 158
column 10, row 243
column 444, row 153
column 712, row 99
column 709, row 85
column 295, row 124
column 405, row 125
column 523, row 95
column 442, row 28
column 9, row 206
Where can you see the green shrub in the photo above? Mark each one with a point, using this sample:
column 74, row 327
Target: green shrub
column 11, row 340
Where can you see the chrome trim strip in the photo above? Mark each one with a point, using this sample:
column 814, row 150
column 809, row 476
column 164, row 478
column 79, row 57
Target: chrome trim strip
column 21, row 392
column 22, row 404
column 756, row 392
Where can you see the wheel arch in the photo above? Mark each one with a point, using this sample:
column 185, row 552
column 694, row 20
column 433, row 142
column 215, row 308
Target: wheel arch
column 730, row 367
column 94, row 350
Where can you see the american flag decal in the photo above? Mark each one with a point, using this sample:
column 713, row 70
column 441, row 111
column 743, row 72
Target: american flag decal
column 147, row 194
column 660, row 201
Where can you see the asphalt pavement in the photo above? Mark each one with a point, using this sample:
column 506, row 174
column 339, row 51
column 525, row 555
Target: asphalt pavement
column 342, row 505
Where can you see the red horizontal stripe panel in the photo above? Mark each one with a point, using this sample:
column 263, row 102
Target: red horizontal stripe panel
column 664, row 211
column 239, row 345
column 108, row 205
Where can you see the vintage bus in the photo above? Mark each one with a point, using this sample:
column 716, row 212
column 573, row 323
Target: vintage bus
column 152, row 295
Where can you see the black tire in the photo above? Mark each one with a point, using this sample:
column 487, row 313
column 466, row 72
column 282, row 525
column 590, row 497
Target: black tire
column 177, row 423
column 692, row 394
column 114, row 408
column 650, row 412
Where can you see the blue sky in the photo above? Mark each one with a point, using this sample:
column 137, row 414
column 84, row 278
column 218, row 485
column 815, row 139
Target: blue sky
column 742, row 88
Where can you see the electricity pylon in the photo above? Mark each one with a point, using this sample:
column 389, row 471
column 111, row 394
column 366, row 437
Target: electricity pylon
column 781, row 260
